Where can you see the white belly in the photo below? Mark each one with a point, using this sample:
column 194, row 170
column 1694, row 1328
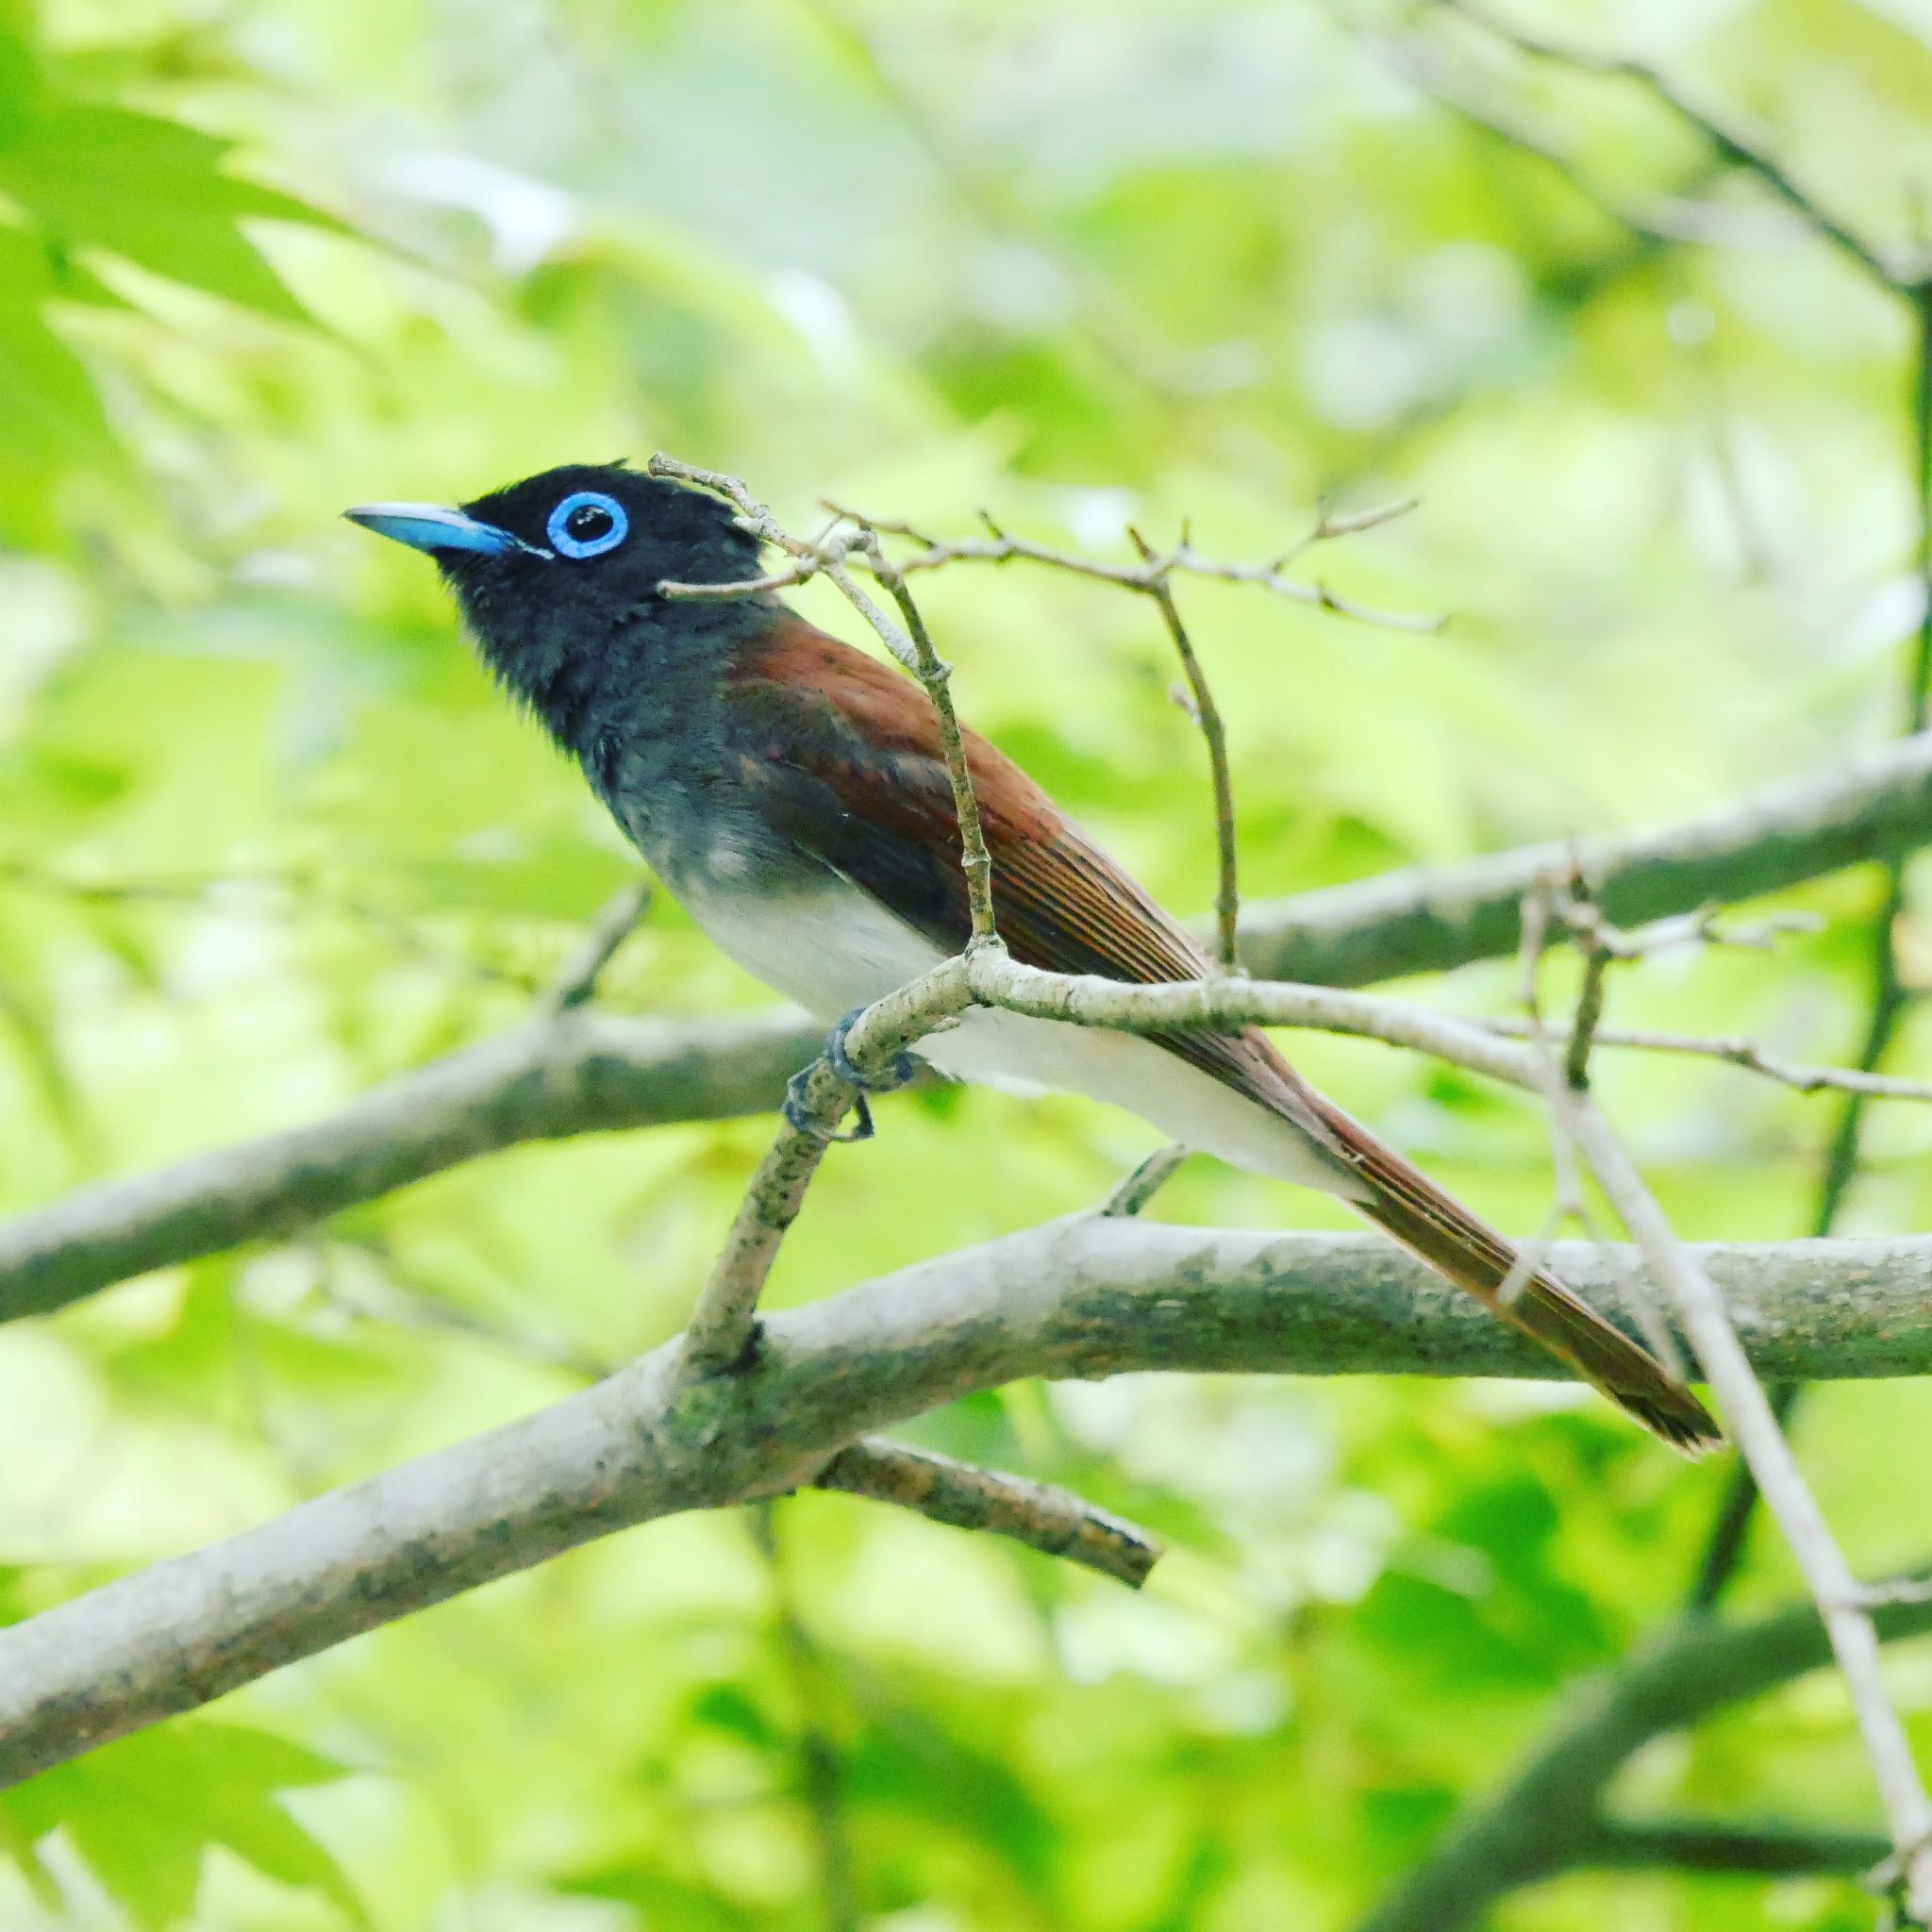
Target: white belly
column 836, row 950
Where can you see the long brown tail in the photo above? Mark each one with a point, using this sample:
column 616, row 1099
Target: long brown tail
column 1407, row 1204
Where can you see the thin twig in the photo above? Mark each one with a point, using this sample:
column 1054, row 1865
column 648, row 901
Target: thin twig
column 1736, row 1050
column 1137, row 1189
column 1899, row 1590
column 1043, row 1517
column 1752, row 1422
column 1739, row 148
column 721, row 1330
column 1588, row 1018
column 1207, row 714
column 1000, row 546
column 1662, row 218
column 615, row 923
column 935, row 674
column 911, row 644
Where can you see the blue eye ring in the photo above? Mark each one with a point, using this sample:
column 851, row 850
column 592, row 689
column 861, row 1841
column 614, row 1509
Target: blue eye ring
column 558, row 531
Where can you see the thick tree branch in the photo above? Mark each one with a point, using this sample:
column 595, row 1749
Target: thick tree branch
column 1086, row 1297
column 1424, row 920
column 584, row 1072
column 581, row 1072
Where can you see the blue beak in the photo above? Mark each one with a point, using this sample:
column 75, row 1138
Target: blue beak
column 431, row 527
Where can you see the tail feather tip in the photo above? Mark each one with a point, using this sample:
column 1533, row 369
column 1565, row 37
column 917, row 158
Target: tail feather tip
column 1678, row 1418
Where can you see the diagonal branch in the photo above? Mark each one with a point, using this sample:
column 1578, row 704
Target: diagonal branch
column 1432, row 919
column 1738, row 146
column 911, row 646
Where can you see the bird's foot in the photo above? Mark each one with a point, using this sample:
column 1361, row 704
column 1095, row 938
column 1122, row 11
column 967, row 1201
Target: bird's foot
column 801, row 1115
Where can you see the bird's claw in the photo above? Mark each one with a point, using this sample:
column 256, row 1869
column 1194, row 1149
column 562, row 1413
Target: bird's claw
column 802, row 1117
column 798, row 1111
column 902, row 1068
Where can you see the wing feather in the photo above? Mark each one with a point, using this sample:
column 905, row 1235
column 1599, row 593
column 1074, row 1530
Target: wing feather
column 846, row 753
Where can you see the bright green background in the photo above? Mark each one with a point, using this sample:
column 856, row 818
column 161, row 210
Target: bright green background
column 267, row 837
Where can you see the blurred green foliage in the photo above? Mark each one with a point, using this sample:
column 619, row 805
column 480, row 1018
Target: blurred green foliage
column 267, row 835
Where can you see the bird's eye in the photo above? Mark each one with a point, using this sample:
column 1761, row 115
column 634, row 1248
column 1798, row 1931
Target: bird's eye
column 587, row 524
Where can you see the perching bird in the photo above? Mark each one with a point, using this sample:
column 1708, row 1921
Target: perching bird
column 791, row 791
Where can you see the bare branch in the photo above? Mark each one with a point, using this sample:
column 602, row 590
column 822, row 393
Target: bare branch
column 1736, row 1050
column 975, row 861
column 911, row 646
column 1428, row 919
column 1207, row 714
column 720, row 1324
column 580, row 1071
column 1084, row 1298
column 1053, row 1521
column 999, row 547
column 1659, row 218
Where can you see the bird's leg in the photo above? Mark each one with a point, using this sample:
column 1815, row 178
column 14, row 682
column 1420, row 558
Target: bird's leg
column 902, row 1068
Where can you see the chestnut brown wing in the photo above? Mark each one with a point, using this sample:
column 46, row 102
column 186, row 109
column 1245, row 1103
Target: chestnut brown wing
column 845, row 754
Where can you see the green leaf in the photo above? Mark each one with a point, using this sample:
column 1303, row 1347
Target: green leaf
column 155, row 192
column 142, row 1812
column 48, row 400
column 20, row 80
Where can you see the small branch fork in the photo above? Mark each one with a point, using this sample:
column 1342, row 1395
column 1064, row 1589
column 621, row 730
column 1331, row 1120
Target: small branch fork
column 999, row 547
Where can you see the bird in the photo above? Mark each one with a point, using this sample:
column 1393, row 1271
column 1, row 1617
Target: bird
column 791, row 791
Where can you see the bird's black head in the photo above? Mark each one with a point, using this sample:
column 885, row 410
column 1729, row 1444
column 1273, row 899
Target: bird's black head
column 559, row 574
